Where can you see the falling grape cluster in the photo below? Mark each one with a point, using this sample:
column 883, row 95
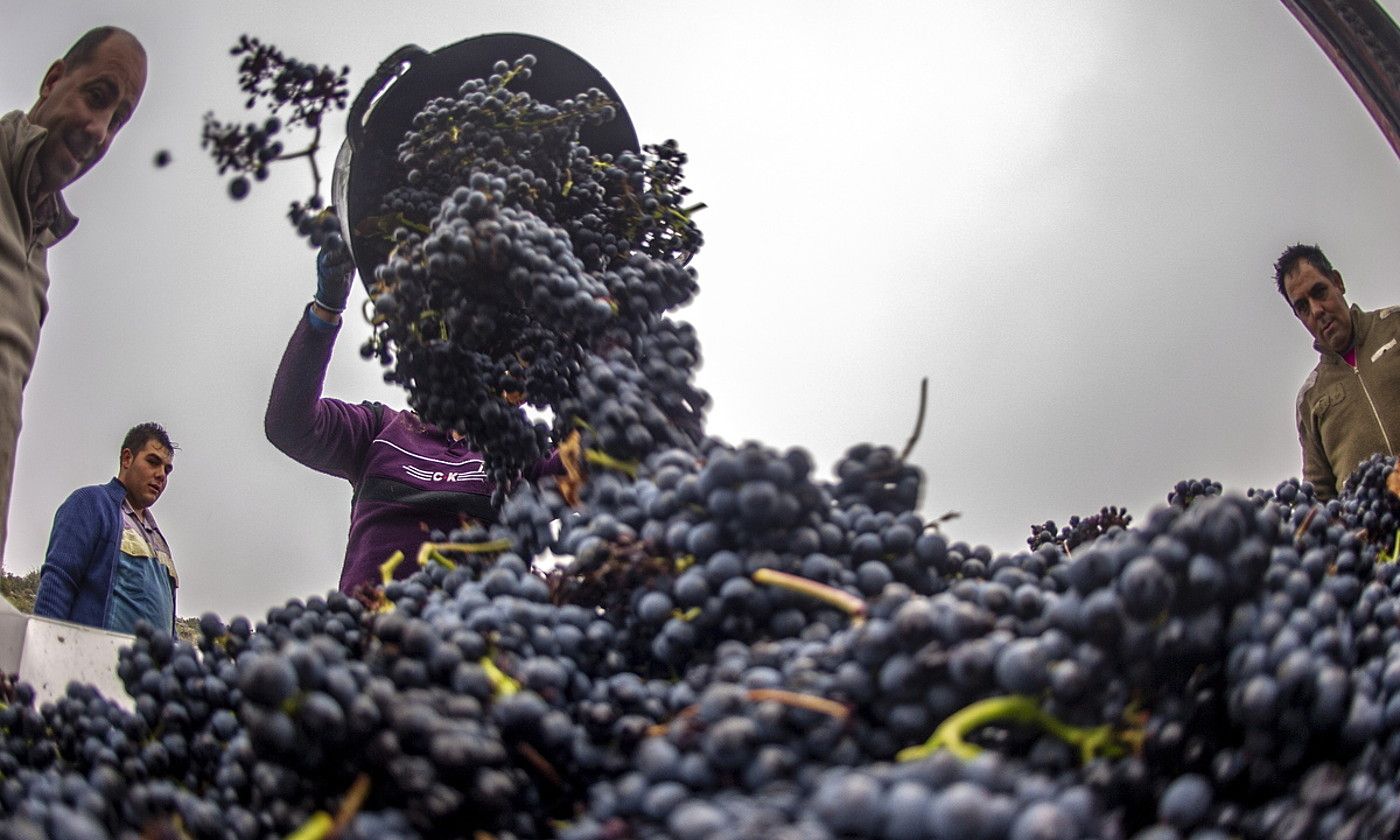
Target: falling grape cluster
column 308, row 92
column 527, row 270
column 295, row 95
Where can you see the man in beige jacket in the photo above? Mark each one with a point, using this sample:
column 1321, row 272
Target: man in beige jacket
column 1349, row 406
column 84, row 100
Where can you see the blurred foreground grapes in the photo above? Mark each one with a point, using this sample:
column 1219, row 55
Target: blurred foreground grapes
column 687, row 638
column 730, row 647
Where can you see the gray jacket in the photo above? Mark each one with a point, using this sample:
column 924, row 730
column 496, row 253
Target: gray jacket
column 24, row 281
column 1346, row 414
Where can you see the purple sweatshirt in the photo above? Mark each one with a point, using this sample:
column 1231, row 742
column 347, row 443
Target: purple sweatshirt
column 409, row 478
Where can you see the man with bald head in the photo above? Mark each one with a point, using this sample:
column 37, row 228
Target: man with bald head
column 84, row 100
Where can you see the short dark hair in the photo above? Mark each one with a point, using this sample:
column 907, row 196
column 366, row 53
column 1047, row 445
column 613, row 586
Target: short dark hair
column 85, row 47
column 1294, row 254
column 140, row 435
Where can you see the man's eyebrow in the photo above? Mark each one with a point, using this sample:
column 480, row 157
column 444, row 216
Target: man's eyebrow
column 1312, row 292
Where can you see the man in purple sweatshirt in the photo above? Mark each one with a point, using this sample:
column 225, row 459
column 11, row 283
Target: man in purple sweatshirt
column 409, row 478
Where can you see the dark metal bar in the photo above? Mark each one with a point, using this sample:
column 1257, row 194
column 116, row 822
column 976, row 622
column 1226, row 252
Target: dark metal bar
column 1364, row 43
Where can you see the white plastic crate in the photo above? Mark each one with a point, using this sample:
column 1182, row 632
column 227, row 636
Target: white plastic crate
column 48, row 654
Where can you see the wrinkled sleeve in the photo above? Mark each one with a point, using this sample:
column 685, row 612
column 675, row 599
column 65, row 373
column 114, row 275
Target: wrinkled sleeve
column 320, row 432
column 73, row 543
column 1316, row 468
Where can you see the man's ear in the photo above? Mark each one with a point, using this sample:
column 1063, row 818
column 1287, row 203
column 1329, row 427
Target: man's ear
column 127, row 457
column 55, row 72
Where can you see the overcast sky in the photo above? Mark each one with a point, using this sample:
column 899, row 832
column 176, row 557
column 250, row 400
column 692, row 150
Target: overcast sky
column 1065, row 215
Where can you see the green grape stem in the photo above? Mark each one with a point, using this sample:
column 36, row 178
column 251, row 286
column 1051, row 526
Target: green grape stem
column 504, row 684
column 1093, row 741
column 431, row 552
column 317, row 827
column 386, row 569
column 606, row 461
column 1389, row 555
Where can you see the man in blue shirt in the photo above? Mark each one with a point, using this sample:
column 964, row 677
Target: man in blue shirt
column 108, row 565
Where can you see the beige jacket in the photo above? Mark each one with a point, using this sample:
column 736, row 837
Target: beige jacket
column 1346, row 414
column 24, row 281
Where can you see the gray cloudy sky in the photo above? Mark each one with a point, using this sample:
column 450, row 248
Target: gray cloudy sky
column 1064, row 215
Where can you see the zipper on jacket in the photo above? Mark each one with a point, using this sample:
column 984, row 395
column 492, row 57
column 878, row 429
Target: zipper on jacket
column 1390, row 450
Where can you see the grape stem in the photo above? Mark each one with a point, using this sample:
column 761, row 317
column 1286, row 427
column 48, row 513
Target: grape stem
column 317, row 827
column 686, row 615
column 606, row 461
column 1389, row 555
column 310, row 154
column 1303, row 526
column 937, row 524
column 844, row 601
column 352, row 803
column 571, row 456
column 386, row 569
column 1093, row 741
column 540, row 763
column 431, row 552
column 504, row 684
column 918, row 423
column 810, row 702
column 792, row 699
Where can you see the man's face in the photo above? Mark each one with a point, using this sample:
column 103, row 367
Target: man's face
column 1318, row 301
column 144, row 473
column 83, row 108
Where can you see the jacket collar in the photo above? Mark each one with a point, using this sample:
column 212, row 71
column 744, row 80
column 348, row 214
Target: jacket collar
column 116, row 490
column 28, row 137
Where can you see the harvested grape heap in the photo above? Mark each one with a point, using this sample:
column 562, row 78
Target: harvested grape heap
column 732, row 647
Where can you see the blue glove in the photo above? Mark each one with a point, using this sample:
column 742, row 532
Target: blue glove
column 334, row 268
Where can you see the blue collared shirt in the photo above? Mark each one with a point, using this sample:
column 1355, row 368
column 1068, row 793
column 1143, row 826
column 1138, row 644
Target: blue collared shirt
column 142, row 586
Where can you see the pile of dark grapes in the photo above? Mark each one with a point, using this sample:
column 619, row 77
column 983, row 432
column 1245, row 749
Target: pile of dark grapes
column 527, row 270
column 728, row 646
